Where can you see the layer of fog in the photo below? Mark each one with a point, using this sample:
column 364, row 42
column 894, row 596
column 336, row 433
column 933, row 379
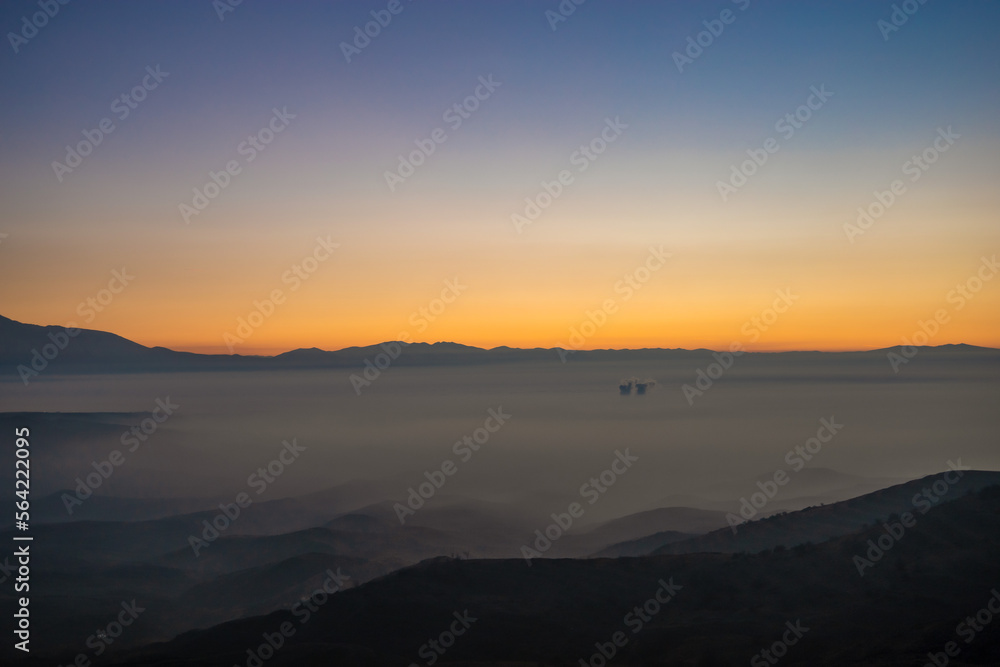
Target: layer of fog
column 568, row 421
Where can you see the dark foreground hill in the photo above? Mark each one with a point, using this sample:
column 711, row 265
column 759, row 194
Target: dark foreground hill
column 910, row 598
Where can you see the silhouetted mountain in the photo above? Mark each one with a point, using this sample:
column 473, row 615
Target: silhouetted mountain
column 52, row 508
column 97, row 351
column 642, row 546
column 725, row 608
column 84, row 350
column 95, row 565
column 817, row 524
column 661, row 525
column 807, row 487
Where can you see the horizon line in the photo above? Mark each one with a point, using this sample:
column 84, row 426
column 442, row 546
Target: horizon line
column 498, row 347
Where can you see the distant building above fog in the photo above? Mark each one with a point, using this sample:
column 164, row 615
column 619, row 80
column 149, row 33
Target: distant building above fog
column 641, row 386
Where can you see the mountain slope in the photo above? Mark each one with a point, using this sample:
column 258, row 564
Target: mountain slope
column 729, row 607
column 817, row 524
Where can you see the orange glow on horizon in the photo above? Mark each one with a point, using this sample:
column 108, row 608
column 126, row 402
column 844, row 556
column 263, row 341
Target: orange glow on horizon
column 726, row 265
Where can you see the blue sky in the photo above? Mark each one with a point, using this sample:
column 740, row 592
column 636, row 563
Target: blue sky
column 557, row 88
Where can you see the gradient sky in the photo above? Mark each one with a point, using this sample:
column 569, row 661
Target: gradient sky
column 656, row 185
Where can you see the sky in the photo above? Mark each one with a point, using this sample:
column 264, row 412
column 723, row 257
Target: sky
column 362, row 206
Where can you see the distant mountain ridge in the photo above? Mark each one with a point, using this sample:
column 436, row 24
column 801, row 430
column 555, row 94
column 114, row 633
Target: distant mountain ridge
column 30, row 348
